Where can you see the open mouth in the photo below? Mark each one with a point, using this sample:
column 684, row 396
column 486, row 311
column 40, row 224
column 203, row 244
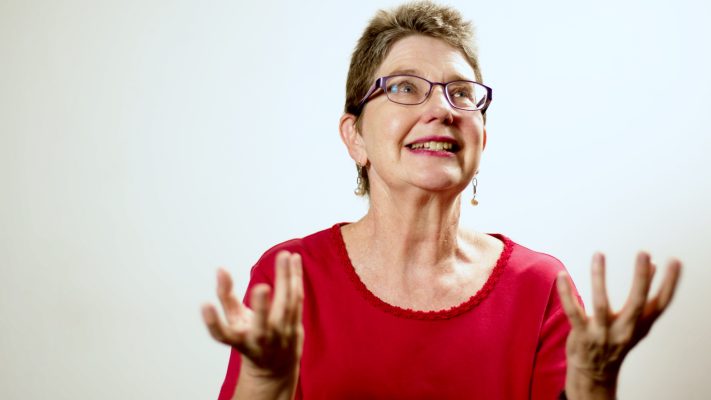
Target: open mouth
column 447, row 146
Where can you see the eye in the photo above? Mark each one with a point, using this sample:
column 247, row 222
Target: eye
column 461, row 92
column 402, row 88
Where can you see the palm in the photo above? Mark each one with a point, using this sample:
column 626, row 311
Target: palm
column 270, row 335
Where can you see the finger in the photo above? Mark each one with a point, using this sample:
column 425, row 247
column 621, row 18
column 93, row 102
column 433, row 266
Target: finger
column 281, row 289
column 230, row 304
column 639, row 292
column 260, row 302
column 651, row 306
column 296, row 290
column 218, row 330
column 289, row 306
column 290, row 309
column 668, row 287
column 572, row 308
column 601, row 304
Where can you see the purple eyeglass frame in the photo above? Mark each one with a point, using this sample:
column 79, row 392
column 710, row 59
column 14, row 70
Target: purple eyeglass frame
column 380, row 84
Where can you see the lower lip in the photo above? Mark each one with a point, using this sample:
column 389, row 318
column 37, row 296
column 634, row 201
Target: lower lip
column 433, row 153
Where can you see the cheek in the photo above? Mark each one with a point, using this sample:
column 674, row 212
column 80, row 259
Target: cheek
column 389, row 128
column 397, row 129
column 475, row 129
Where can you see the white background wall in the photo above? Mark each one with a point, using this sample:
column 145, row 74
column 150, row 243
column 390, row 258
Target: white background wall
column 141, row 146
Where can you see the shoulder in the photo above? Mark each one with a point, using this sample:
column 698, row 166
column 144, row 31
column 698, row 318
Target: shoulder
column 311, row 246
column 531, row 264
column 515, row 255
column 532, row 258
column 532, row 275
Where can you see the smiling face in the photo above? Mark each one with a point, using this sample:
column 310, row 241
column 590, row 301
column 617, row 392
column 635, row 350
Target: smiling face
column 430, row 146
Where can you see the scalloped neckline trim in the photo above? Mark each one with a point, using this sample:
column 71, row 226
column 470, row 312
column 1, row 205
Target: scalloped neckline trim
column 451, row 312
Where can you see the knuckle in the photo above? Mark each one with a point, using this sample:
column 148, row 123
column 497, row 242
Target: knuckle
column 257, row 336
column 598, row 341
column 217, row 336
column 622, row 336
column 273, row 325
column 625, row 339
column 288, row 333
column 599, row 337
column 601, row 305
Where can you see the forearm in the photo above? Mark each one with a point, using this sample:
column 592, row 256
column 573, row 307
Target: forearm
column 253, row 384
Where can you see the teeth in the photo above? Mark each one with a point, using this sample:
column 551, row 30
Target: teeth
column 437, row 146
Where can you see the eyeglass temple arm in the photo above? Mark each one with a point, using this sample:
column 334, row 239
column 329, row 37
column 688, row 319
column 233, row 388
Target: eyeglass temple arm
column 370, row 92
column 486, row 101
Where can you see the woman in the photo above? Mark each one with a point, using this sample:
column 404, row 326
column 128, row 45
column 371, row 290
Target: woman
column 404, row 303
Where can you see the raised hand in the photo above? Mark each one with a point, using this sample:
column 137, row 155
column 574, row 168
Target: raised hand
column 270, row 335
column 598, row 344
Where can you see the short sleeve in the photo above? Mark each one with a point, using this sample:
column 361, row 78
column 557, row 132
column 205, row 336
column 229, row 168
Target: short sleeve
column 549, row 368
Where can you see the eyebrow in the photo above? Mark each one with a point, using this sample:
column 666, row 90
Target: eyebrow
column 410, row 71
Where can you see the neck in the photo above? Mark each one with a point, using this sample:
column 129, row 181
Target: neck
column 407, row 231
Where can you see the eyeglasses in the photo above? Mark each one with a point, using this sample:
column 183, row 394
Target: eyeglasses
column 412, row 90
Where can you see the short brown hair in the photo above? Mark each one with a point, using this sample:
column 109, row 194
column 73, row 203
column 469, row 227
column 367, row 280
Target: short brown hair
column 389, row 26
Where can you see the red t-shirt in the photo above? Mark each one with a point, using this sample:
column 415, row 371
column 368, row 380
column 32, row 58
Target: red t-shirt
column 506, row 342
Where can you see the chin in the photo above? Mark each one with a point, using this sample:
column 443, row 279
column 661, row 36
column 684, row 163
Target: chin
column 441, row 185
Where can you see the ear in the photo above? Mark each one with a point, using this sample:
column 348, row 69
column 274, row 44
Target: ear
column 352, row 139
column 484, row 146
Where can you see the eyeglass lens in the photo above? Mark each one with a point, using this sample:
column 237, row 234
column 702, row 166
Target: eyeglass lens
column 412, row 90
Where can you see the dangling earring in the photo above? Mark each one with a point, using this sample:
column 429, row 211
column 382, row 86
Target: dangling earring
column 360, row 184
column 474, row 200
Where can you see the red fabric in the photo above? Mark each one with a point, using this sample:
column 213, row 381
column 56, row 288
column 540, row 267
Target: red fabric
column 506, row 342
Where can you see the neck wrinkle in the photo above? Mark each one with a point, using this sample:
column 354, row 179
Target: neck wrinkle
column 417, row 236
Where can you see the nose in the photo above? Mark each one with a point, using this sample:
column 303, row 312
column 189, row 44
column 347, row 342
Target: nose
column 441, row 98
column 438, row 106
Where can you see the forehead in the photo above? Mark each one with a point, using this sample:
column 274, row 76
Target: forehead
column 428, row 57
